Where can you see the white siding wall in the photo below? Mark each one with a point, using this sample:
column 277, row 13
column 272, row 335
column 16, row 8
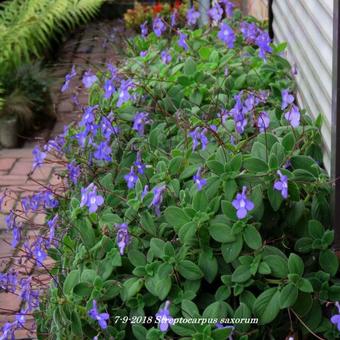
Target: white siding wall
column 307, row 27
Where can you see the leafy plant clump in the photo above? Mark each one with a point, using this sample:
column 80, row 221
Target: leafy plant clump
column 196, row 206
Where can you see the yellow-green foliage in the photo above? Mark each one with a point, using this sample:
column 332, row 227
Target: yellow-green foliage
column 27, row 26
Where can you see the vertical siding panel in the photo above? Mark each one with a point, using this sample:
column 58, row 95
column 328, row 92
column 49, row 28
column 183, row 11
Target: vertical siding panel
column 307, row 27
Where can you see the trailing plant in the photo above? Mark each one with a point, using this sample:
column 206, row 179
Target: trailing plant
column 197, row 207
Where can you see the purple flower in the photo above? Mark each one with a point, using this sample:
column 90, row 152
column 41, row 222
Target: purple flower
column 113, row 70
column 145, row 191
column 139, row 164
column 123, row 237
column 249, row 32
column 103, row 152
column 157, row 198
column 38, row 157
column 229, row 7
column 143, row 54
column 240, row 122
column 198, row 136
column 216, row 12
column 262, row 41
column 282, row 185
column 109, row 88
column 226, row 35
column 68, row 78
column 124, row 92
column 131, row 178
column 158, row 26
column 140, row 119
column 73, row 171
column 52, row 224
column 88, row 117
column 16, row 235
column 166, row 57
column 39, row 253
column 242, row 204
column 192, row 16
column 199, row 181
column 90, row 198
column 8, row 281
column 335, row 319
column 182, row 41
column 164, row 318
column 100, row 317
column 249, row 103
column 89, row 79
column 263, row 121
column 293, row 116
column 294, row 70
column 287, row 99
column 173, row 18
column 144, row 29
column 49, row 200
column 226, row 72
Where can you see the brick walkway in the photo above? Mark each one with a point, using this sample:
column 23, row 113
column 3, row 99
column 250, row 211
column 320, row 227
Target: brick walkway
column 90, row 47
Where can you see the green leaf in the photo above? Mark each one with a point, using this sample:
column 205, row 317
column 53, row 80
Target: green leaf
column 139, row 332
column 329, row 262
column 83, row 289
column 71, row 280
column 295, row 264
column 228, row 210
column 278, row 265
column 255, row 165
column 157, row 246
column 252, row 237
column 267, row 306
column 240, row 81
column 176, row 216
column 243, row 311
column 147, row 223
column 84, row 227
column 189, row 270
column 288, row 296
column 189, row 67
column 208, row 264
column 200, row 201
column 221, row 232
column 216, row 167
column 163, row 287
column 131, row 287
column 305, row 286
column 187, row 232
column 76, row 325
column 189, row 309
column 241, row 274
column 289, row 141
column 136, row 257
column 218, row 309
column 231, row 251
column 275, row 198
column 315, row 229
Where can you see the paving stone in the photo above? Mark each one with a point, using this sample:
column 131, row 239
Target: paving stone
column 65, row 106
column 22, row 167
column 6, row 163
column 16, row 153
column 9, row 302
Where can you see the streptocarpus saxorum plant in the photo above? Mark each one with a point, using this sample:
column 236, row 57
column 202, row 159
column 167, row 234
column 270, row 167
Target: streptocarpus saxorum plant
column 209, row 204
